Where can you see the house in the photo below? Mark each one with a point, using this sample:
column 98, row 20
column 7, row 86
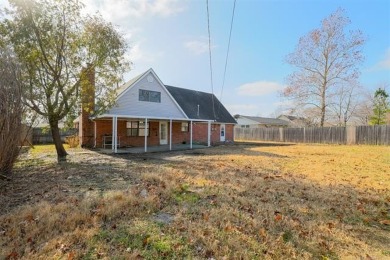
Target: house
column 295, row 121
column 149, row 113
column 258, row 122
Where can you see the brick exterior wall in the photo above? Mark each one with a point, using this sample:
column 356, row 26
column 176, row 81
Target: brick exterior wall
column 104, row 127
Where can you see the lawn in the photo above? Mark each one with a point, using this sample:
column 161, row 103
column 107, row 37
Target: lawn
column 248, row 200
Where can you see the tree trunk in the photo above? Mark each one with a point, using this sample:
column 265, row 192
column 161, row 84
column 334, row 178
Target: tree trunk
column 55, row 132
column 323, row 106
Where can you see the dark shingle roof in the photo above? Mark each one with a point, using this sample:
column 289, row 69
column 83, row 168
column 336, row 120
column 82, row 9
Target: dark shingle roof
column 189, row 100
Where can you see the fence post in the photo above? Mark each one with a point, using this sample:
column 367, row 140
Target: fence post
column 281, row 134
column 351, row 134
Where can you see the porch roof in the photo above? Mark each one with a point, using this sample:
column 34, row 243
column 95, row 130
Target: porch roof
column 150, row 118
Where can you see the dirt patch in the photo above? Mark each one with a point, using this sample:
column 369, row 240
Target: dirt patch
column 40, row 178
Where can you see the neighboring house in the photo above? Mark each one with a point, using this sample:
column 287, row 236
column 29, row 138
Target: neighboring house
column 258, row 122
column 295, row 121
column 149, row 113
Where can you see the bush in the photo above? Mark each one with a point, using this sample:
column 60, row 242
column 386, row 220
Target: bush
column 72, row 141
column 11, row 111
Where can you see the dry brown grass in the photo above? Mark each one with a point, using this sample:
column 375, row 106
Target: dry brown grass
column 245, row 201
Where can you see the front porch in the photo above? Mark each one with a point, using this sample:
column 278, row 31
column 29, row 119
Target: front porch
column 154, row 149
column 133, row 134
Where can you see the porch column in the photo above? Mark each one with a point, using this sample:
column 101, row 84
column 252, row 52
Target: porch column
column 170, row 135
column 114, row 134
column 191, row 134
column 146, row 135
column 208, row 133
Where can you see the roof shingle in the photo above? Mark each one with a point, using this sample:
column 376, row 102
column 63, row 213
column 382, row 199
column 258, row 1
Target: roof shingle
column 189, row 100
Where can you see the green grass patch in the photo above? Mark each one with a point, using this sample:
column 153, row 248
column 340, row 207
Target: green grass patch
column 45, row 149
column 149, row 239
column 183, row 195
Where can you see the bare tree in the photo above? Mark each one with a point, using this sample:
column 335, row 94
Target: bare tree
column 11, row 110
column 345, row 103
column 364, row 108
column 326, row 60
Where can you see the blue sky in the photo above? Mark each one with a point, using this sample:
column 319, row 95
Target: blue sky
column 171, row 37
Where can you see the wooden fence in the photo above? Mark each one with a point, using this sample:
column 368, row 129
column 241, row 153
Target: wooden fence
column 41, row 136
column 374, row 135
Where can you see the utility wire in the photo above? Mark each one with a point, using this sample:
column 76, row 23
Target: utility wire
column 227, row 53
column 211, row 66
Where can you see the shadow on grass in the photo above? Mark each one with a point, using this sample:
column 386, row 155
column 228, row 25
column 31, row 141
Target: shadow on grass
column 295, row 215
column 231, row 149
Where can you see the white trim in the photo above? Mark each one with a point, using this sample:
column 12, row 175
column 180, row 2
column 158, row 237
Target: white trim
column 161, row 84
column 163, row 141
column 208, row 133
column 114, row 134
column 146, row 134
column 170, row 135
column 222, row 138
column 191, row 134
column 151, row 117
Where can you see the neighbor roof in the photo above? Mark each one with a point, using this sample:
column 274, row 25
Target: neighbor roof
column 267, row 121
column 189, row 100
column 292, row 118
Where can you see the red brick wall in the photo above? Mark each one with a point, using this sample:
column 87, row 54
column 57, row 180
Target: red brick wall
column 104, row 127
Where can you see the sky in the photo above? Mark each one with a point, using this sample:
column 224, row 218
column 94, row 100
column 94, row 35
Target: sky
column 171, row 36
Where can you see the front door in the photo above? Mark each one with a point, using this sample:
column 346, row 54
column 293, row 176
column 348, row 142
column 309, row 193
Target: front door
column 222, row 133
column 163, row 132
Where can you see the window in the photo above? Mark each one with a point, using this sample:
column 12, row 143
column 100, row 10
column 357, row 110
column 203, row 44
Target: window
column 149, row 96
column 184, row 126
column 136, row 128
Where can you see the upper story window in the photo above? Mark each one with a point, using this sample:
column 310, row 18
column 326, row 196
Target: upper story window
column 149, row 96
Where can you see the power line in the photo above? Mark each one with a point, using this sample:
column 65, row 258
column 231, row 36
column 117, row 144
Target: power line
column 227, row 53
column 211, row 66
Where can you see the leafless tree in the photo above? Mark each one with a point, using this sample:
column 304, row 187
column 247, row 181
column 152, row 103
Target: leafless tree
column 326, row 59
column 11, row 111
column 345, row 103
column 364, row 108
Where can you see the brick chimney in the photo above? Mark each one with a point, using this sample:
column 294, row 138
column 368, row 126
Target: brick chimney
column 87, row 92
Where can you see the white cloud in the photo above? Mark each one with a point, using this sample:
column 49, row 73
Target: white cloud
column 137, row 54
column 131, row 16
column 120, row 10
column 167, row 7
column 259, row 88
column 198, row 46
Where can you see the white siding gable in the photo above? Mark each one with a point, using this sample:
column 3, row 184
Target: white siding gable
column 128, row 102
